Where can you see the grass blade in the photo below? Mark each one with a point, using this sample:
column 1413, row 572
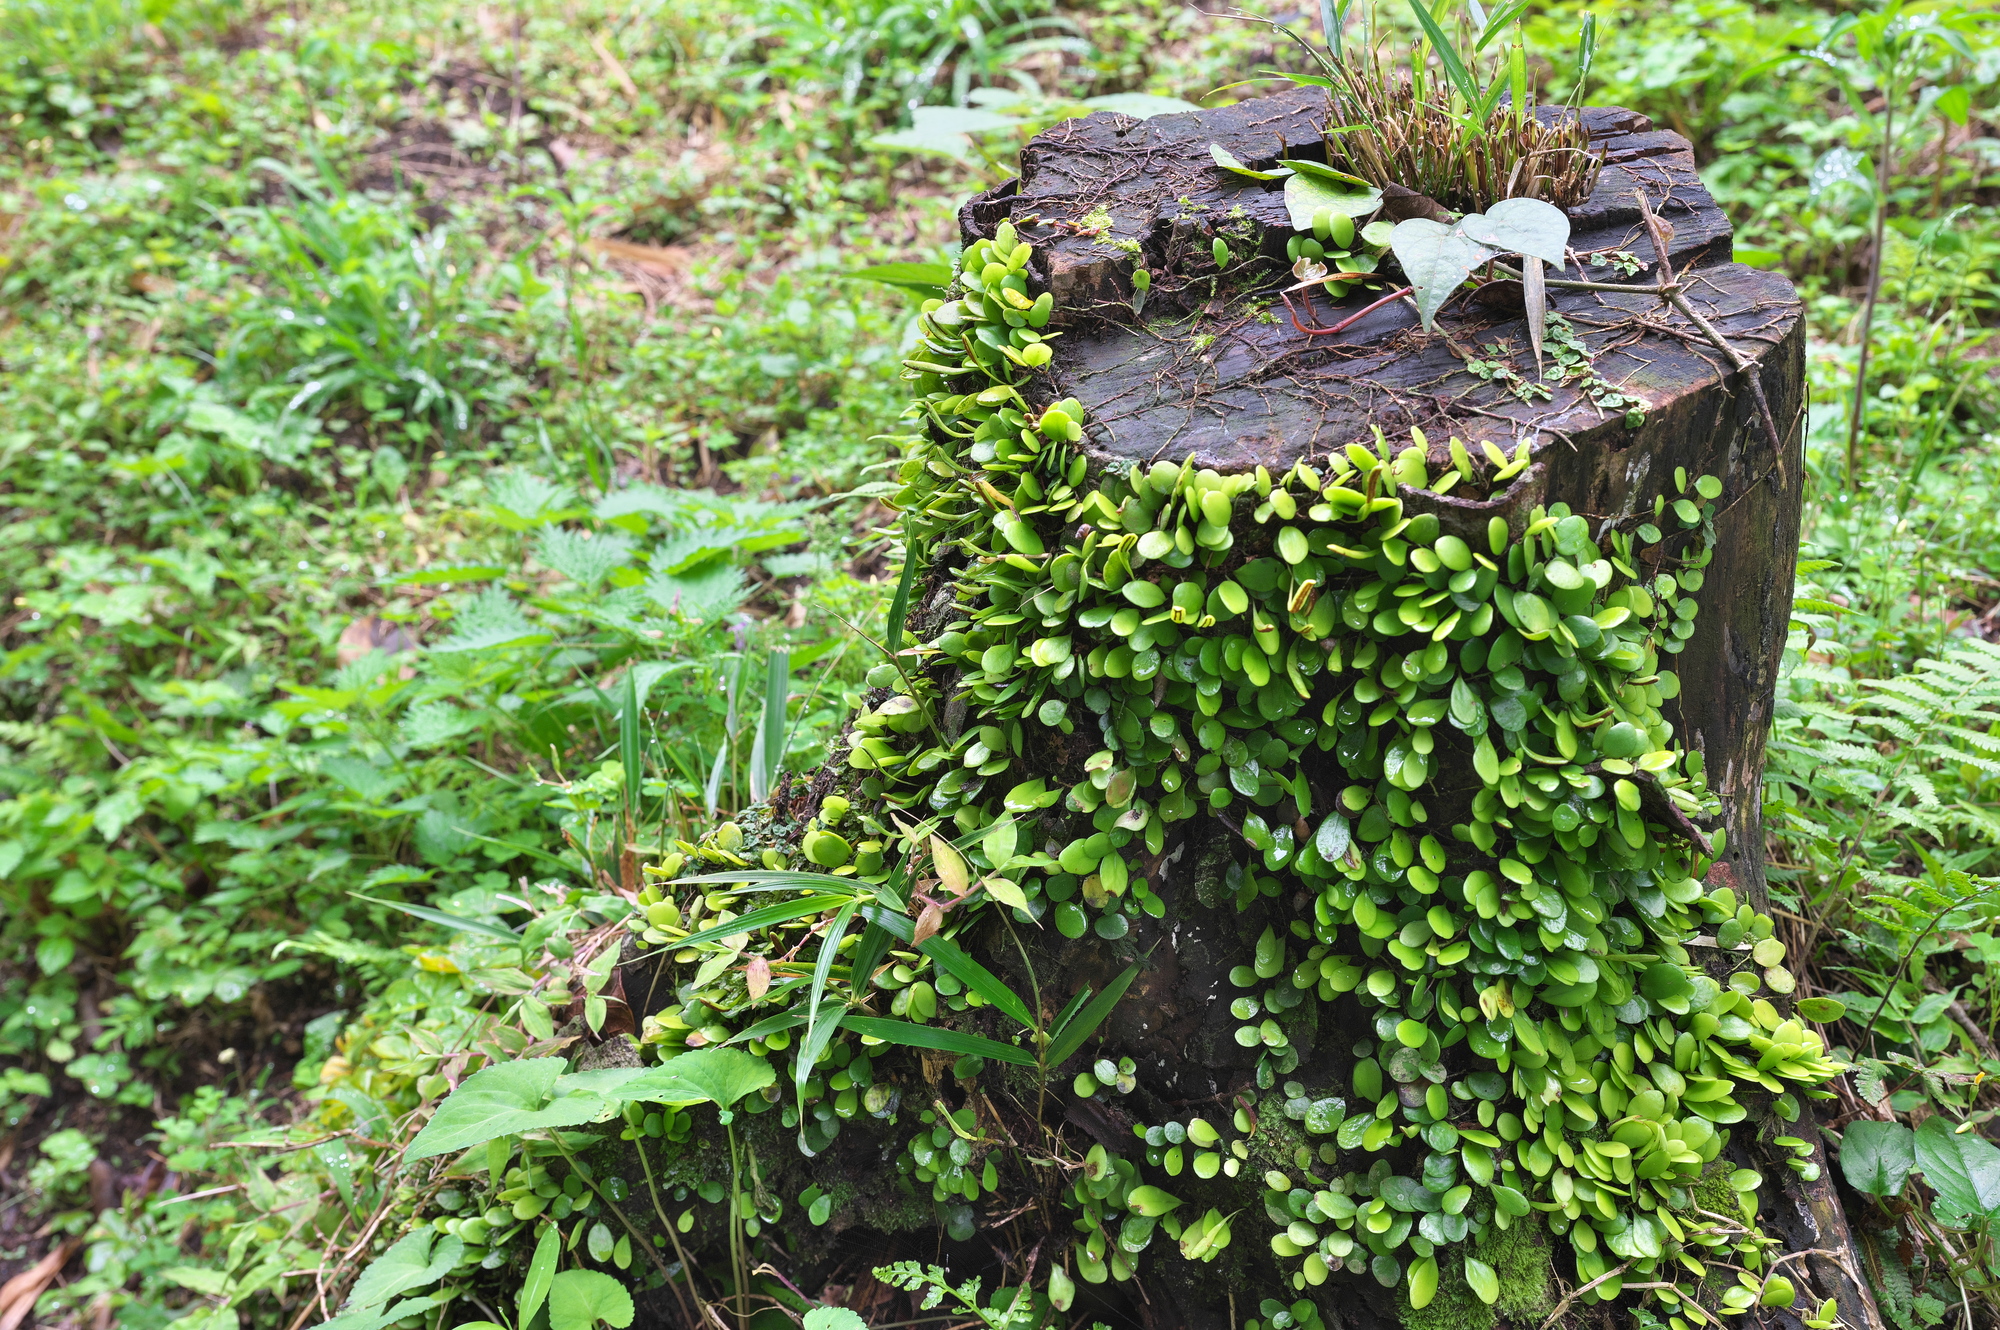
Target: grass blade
column 767, row 753
column 629, row 751
column 767, row 879
column 895, row 924
column 1071, row 1036
column 1454, row 68
column 1497, row 24
column 829, row 947
column 899, row 604
column 952, row 959
column 463, row 925
column 868, row 954
column 1071, row 1007
column 764, row 918
column 912, row 1035
column 790, row 1020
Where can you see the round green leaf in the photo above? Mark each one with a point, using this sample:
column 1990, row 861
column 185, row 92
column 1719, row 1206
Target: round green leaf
column 579, row 1299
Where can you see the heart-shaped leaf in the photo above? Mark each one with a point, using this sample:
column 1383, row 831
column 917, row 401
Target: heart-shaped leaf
column 1305, row 196
column 579, row 1299
column 503, row 1100
column 1436, row 259
column 411, row 1263
column 834, row 1318
column 1227, row 161
column 1962, row 1167
column 705, row 1075
column 1877, row 1156
column 1521, row 226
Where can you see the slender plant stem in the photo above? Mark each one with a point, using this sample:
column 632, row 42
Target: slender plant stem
column 736, row 1247
column 1882, row 165
column 687, row 1269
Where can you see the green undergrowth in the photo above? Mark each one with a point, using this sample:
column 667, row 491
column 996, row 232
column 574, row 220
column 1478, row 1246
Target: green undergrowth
column 306, row 351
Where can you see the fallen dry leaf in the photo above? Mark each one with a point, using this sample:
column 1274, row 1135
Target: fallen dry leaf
column 18, row 1295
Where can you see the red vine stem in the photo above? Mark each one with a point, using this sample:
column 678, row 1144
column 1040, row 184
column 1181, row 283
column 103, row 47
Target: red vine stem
column 1345, row 323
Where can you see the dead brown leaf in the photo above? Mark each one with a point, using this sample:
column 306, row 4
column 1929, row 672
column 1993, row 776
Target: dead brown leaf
column 18, row 1295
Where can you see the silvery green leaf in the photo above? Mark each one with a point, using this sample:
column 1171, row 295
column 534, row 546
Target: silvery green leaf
column 1321, row 171
column 1227, row 161
column 1437, row 259
column 1521, row 226
column 1333, row 837
column 1306, row 195
column 1535, row 298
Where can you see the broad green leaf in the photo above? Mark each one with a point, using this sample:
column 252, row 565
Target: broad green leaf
column 1877, row 1157
column 1306, row 195
column 1963, row 1168
column 1006, row 891
column 1483, row 1279
column 1436, row 259
column 541, row 1270
column 1821, row 1010
column 1521, row 226
column 412, row 1263
column 911, row 1035
column 579, row 1299
column 943, row 129
column 834, row 1318
column 712, row 1075
column 502, row 1100
column 361, row 1318
column 1665, row 982
column 214, row 1283
column 1227, row 161
column 1423, row 1281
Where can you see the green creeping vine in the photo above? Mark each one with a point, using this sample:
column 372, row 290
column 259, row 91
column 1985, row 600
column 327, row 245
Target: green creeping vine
column 1302, row 657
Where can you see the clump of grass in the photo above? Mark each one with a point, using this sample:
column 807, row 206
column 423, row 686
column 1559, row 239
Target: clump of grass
column 1410, row 128
column 1459, row 126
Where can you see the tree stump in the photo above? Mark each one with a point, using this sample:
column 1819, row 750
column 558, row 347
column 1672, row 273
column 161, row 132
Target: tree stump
column 1235, row 388
column 1207, row 371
